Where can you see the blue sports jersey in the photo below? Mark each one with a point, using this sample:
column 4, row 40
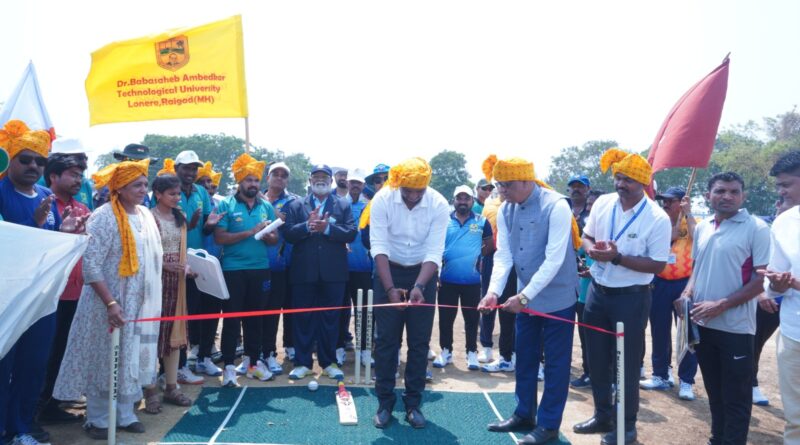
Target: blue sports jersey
column 462, row 249
column 18, row 209
column 281, row 253
column 358, row 258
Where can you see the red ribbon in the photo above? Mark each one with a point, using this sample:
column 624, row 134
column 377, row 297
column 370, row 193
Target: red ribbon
column 334, row 308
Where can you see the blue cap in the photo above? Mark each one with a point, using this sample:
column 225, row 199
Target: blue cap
column 322, row 168
column 672, row 193
column 379, row 169
column 579, row 178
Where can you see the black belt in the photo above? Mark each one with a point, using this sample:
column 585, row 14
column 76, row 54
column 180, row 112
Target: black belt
column 622, row 290
column 400, row 266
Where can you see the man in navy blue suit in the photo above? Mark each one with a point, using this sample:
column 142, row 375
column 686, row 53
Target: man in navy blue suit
column 319, row 228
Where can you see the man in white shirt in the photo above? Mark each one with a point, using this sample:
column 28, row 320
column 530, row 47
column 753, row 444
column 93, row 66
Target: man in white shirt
column 408, row 226
column 628, row 237
column 536, row 236
column 783, row 279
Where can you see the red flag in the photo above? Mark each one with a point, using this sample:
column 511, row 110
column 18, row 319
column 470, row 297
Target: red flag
column 687, row 136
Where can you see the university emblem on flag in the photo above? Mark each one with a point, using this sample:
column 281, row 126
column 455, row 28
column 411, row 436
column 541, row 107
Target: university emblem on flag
column 173, row 54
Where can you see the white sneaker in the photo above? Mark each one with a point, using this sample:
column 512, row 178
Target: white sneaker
column 540, row 376
column 341, row 356
column 486, row 355
column 299, row 372
column 686, row 392
column 670, row 378
column 366, row 357
column 431, row 355
column 273, row 365
column 208, row 368
column 654, row 383
column 192, row 355
column 24, row 439
column 498, row 365
column 472, row 361
column 333, row 372
column 187, row 377
column 759, row 398
column 244, row 365
column 444, row 359
column 229, row 377
column 259, row 371
column 289, row 353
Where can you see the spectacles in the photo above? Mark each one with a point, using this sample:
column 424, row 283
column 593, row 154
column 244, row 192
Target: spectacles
column 487, row 188
column 379, row 179
column 27, row 159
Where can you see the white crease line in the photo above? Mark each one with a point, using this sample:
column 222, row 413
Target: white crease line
column 497, row 413
column 227, row 418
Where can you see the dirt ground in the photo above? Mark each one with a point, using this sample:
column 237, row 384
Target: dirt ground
column 663, row 418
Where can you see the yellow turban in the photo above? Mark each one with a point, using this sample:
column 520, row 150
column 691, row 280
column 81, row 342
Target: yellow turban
column 16, row 136
column 516, row 169
column 631, row 165
column 413, row 173
column 169, row 167
column 216, row 177
column 116, row 176
column 246, row 165
column 207, row 170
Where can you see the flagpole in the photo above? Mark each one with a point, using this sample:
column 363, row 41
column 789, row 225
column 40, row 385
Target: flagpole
column 688, row 192
column 246, row 134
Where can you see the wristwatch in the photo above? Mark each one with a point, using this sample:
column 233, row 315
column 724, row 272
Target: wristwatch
column 421, row 287
column 523, row 300
column 617, row 259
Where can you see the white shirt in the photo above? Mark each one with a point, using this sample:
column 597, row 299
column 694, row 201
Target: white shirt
column 559, row 233
column 408, row 237
column 785, row 257
column 649, row 235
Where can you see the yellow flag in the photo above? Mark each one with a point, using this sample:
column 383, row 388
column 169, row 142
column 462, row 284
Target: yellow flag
column 183, row 73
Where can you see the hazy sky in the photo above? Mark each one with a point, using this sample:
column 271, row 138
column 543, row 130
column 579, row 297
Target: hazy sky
column 355, row 83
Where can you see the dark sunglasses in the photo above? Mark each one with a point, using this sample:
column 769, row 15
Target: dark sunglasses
column 379, row 179
column 487, row 188
column 27, row 159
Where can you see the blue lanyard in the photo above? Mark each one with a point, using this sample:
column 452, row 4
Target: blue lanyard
column 628, row 224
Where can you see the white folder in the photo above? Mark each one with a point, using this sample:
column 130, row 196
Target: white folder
column 209, row 273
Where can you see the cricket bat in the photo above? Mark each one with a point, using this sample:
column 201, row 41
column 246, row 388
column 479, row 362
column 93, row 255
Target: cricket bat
column 347, row 408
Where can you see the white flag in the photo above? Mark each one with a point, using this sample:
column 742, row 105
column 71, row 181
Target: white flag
column 26, row 104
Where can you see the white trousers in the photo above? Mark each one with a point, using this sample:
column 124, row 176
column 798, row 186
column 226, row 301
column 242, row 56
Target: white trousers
column 789, row 379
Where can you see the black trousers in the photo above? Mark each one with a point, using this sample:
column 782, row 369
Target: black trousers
column 507, row 320
column 201, row 332
column 64, row 315
column 269, row 323
column 470, row 296
column 604, row 311
column 249, row 290
column 582, row 337
column 389, row 324
column 726, row 362
column 358, row 280
column 766, row 325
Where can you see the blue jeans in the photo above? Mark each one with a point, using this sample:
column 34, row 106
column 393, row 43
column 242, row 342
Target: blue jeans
column 661, row 315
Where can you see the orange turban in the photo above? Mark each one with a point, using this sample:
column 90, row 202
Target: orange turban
column 246, row 165
column 631, row 165
column 413, row 173
column 168, row 169
column 16, row 136
column 206, row 170
column 116, row 176
column 516, row 169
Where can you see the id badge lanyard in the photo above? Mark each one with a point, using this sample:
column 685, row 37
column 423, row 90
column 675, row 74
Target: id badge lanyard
column 628, row 224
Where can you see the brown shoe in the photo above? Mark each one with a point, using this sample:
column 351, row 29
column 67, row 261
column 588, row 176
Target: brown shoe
column 135, row 427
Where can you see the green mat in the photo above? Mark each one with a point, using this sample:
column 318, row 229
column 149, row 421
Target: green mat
column 295, row 415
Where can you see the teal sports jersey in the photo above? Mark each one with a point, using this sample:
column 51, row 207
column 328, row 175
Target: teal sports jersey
column 249, row 253
column 462, row 249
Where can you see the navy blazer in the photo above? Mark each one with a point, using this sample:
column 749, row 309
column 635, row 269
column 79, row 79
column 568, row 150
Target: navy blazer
column 318, row 257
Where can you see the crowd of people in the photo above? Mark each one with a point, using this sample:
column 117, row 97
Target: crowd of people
column 511, row 246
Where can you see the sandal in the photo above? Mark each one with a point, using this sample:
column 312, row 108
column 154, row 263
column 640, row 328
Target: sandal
column 177, row 398
column 152, row 403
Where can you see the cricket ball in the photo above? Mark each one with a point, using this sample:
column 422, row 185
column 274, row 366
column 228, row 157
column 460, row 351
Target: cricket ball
column 313, row 385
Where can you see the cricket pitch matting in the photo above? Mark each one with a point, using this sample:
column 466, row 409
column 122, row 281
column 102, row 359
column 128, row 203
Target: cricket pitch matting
column 295, row 415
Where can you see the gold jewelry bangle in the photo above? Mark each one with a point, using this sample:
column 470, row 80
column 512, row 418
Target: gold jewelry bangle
column 111, row 303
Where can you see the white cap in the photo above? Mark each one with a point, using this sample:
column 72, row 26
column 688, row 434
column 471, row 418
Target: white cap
column 187, row 157
column 337, row 170
column 68, row 146
column 356, row 175
column 278, row 165
column 462, row 189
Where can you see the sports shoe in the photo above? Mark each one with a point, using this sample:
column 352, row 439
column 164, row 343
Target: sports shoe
column 341, row 356
column 333, row 372
column 444, row 359
column 208, row 368
column 366, row 356
column 192, row 354
column 216, row 355
column 299, row 372
column 289, row 353
column 187, row 377
column 243, row 366
column 259, row 371
column 654, row 383
column 472, row 361
column 272, row 364
column 670, row 378
column 24, row 439
column 581, row 382
column 431, row 355
column 498, row 365
column 540, row 376
column 686, row 392
column 759, row 398
column 486, row 355
column 229, row 377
